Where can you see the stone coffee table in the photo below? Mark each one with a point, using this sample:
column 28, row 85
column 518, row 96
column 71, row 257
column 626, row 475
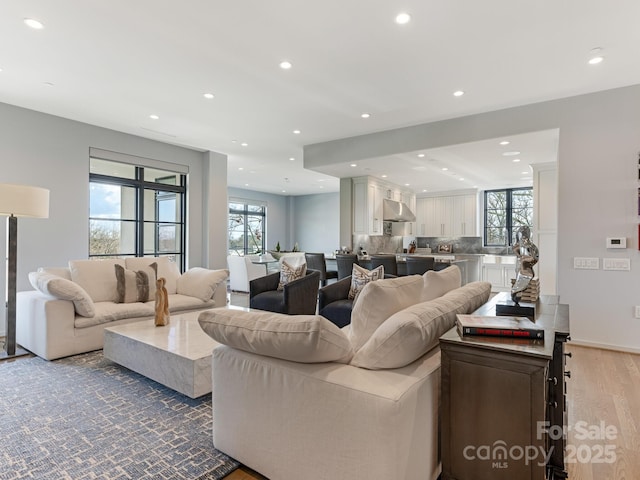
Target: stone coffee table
column 177, row 355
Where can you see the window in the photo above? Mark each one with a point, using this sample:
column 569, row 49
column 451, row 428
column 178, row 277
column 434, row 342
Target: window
column 136, row 211
column 504, row 212
column 246, row 228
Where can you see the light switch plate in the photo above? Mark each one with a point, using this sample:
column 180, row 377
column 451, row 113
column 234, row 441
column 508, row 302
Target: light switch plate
column 618, row 264
column 586, row 263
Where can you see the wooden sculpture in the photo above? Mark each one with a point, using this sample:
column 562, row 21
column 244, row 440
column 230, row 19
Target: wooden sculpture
column 162, row 303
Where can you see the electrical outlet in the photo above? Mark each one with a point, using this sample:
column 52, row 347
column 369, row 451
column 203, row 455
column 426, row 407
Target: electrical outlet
column 637, row 311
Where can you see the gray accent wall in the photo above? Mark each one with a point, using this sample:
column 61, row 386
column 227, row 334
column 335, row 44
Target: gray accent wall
column 316, row 220
column 52, row 152
column 597, row 194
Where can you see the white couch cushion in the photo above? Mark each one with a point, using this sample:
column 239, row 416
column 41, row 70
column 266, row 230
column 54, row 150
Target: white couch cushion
column 378, row 301
column 107, row 312
column 63, row 289
column 63, row 272
column 201, row 282
column 166, row 268
column 437, row 283
column 298, row 338
column 412, row 332
column 97, row 277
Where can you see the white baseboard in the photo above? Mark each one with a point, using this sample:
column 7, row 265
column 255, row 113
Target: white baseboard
column 604, row 346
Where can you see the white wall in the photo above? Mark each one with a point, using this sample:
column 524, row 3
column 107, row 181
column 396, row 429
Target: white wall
column 52, row 152
column 316, row 221
column 597, row 194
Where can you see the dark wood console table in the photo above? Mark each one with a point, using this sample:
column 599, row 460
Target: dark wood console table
column 501, row 399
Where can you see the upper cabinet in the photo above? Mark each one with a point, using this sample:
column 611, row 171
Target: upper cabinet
column 368, row 194
column 447, row 216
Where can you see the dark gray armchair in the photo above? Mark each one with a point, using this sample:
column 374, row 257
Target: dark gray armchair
column 316, row 261
column 297, row 298
column 333, row 303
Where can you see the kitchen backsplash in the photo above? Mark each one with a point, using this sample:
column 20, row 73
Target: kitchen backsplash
column 394, row 244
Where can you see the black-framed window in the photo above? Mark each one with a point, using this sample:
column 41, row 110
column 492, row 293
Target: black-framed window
column 136, row 211
column 246, row 228
column 505, row 211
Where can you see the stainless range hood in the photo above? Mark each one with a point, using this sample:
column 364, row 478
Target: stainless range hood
column 393, row 211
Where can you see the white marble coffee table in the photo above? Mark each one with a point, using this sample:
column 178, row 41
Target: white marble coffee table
column 177, row 355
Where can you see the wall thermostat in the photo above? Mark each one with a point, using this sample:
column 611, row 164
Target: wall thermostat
column 616, row 242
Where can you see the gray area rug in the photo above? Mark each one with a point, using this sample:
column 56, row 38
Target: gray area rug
column 84, row 417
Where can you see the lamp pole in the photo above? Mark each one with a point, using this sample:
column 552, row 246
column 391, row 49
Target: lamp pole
column 12, row 266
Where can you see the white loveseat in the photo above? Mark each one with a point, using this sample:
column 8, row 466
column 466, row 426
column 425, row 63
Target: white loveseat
column 70, row 307
column 297, row 397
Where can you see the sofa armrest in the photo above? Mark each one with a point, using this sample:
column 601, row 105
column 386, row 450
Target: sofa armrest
column 334, row 291
column 44, row 325
column 264, row 284
column 301, row 295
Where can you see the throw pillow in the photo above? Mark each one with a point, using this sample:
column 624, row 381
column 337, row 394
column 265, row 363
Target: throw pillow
column 96, row 277
column 201, row 282
column 360, row 276
column 166, row 268
column 437, row 283
column 297, row 338
column 135, row 285
column 289, row 273
column 412, row 332
column 378, row 301
column 63, row 289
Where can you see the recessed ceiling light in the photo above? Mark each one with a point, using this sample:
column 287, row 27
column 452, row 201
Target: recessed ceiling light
column 461, row 178
column 354, row 165
column 525, row 173
column 421, row 155
column 284, row 191
column 208, row 96
column 511, row 154
column 292, row 159
column 285, row 65
column 244, row 144
column 321, row 186
column 297, row 132
column 366, row 115
column 505, row 142
column 407, row 184
column 515, row 160
column 234, row 141
column 321, row 179
column 154, row 117
column 444, row 169
column 246, row 184
column 595, row 56
column 240, row 168
column 425, row 190
column 383, row 176
column 403, row 18
column 30, row 22
column 458, row 93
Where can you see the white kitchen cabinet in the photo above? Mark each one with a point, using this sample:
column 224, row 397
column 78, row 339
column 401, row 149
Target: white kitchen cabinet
column 447, row 216
column 368, row 195
column 499, row 274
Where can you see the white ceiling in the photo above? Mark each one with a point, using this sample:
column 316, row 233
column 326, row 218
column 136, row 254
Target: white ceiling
column 113, row 63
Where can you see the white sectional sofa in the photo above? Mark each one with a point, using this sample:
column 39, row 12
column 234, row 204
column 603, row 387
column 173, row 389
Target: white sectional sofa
column 67, row 312
column 297, row 397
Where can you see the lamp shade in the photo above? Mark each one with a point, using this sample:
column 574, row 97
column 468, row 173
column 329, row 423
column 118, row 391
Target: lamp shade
column 24, row 201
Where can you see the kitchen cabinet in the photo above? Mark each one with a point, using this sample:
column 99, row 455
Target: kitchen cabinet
column 368, row 195
column 447, row 216
column 499, row 270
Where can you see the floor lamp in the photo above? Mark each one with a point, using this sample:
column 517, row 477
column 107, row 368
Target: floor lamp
column 17, row 201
